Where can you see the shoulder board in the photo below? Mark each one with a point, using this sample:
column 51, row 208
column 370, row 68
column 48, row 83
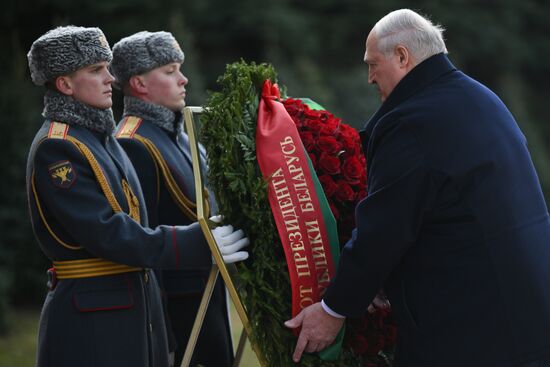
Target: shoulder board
column 129, row 127
column 58, row 130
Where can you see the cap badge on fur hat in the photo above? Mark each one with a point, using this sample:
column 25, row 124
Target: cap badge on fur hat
column 103, row 41
column 64, row 50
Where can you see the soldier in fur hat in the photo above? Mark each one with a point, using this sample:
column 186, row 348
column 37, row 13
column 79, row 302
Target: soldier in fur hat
column 88, row 213
column 147, row 66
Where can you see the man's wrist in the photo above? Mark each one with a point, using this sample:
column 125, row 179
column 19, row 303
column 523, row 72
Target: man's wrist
column 330, row 311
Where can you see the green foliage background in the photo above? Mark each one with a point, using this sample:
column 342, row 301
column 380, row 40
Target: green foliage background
column 316, row 47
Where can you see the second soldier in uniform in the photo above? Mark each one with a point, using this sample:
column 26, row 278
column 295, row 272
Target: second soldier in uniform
column 147, row 68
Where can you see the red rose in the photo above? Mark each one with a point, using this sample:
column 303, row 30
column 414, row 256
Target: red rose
column 313, row 160
column 331, row 126
column 328, row 144
column 297, row 121
column 351, row 148
column 307, row 139
column 349, row 132
column 313, row 125
column 329, row 186
column 345, row 192
column 315, row 115
column 329, row 164
column 294, row 107
column 350, row 139
column 328, row 130
column 353, row 170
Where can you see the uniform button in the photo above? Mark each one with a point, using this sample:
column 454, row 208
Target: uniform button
column 146, row 277
column 150, row 327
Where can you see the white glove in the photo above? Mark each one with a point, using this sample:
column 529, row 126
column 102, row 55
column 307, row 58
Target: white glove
column 230, row 242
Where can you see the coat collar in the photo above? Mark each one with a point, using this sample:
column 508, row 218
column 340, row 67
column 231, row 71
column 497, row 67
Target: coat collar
column 418, row 78
column 155, row 114
column 63, row 108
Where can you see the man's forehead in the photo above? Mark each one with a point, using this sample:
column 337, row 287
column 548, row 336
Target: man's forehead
column 370, row 47
column 96, row 65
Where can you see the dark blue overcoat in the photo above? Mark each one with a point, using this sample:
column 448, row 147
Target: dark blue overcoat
column 455, row 227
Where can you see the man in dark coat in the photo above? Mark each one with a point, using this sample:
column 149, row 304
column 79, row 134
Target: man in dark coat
column 88, row 213
column 147, row 66
column 455, row 228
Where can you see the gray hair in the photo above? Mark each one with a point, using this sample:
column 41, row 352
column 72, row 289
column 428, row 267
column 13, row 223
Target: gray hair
column 405, row 27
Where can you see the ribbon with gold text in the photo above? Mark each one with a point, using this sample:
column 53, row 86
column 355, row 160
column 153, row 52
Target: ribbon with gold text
column 294, row 202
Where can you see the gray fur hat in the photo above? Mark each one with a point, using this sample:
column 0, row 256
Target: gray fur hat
column 63, row 50
column 141, row 52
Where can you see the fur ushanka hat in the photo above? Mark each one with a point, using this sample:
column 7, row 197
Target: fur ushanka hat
column 141, row 52
column 63, row 50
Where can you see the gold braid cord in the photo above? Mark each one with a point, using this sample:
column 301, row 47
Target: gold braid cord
column 188, row 207
column 132, row 200
column 85, row 268
column 50, row 230
column 133, row 203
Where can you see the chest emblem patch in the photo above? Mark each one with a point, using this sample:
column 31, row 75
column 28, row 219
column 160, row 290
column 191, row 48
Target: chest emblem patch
column 62, row 174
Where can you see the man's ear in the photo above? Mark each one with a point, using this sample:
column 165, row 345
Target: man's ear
column 138, row 84
column 64, row 85
column 403, row 55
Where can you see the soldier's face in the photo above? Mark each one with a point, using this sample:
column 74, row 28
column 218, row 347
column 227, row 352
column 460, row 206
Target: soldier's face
column 165, row 86
column 91, row 85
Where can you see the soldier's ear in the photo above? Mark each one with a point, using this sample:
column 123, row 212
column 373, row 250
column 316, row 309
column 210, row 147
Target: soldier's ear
column 138, row 84
column 64, row 85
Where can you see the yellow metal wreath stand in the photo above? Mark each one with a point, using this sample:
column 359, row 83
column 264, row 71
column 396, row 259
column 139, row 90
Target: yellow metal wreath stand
column 219, row 266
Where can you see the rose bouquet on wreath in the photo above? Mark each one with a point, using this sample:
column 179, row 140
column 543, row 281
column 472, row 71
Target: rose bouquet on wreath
column 229, row 132
column 336, row 153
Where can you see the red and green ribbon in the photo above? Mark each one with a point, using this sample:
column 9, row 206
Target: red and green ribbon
column 305, row 223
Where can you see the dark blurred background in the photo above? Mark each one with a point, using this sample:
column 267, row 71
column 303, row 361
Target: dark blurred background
column 316, row 46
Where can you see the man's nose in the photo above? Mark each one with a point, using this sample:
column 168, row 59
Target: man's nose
column 110, row 78
column 183, row 80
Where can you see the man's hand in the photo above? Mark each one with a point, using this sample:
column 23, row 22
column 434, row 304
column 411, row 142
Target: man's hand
column 230, row 242
column 319, row 330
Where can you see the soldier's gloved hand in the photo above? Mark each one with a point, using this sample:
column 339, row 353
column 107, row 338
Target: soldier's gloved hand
column 230, row 242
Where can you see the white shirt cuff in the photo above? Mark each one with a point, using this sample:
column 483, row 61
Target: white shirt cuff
column 330, row 312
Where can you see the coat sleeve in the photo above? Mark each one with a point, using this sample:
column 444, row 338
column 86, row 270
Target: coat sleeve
column 86, row 215
column 401, row 190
